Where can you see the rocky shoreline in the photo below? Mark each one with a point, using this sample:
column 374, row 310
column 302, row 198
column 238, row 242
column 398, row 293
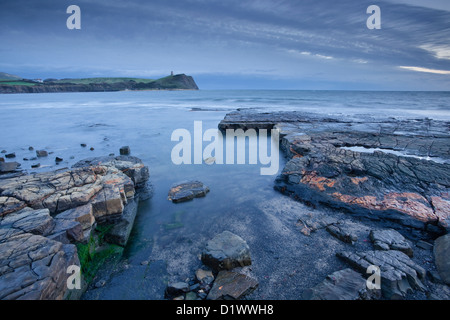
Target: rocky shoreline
column 47, row 218
column 394, row 172
column 376, row 192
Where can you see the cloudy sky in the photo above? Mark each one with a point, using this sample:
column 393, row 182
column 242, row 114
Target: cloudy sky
column 234, row 44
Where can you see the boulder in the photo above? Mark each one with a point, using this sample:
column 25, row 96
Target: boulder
column 342, row 285
column 226, row 251
column 442, row 257
column 176, row 289
column 8, row 166
column 231, row 285
column 41, row 153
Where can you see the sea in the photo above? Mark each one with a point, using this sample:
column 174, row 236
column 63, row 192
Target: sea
column 168, row 238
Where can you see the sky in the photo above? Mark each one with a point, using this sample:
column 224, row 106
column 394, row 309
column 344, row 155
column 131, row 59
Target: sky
column 234, row 44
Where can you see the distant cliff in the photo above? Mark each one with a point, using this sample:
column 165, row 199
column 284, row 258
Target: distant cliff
column 173, row 82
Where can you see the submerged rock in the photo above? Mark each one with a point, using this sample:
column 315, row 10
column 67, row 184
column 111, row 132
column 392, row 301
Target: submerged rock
column 226, row 251
column 399, row 274
column 43, row 214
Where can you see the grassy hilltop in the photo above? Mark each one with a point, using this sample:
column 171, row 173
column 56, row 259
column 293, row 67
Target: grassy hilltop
column 15, row 84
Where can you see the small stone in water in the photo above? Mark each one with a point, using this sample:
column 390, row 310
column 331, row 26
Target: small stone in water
column 41, row 153
column 125, row 151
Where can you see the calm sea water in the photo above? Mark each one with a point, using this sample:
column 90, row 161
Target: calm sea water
column 145, row 121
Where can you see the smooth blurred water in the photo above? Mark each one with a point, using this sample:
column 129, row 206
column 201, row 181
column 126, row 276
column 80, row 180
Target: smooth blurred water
column 59, row 123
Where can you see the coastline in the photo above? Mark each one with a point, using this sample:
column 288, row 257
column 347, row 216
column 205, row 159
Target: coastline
column 343, row 238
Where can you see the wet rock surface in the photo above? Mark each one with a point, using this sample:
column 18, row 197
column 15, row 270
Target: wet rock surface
column 226, row 251
column 231, row 285
column 390, row 240
column 399, row 274
column 227, row 255
column 345, row 284
column 43, row 216
column 442, row 256
column 187, row 190
column 391, row 174
column 410, row 187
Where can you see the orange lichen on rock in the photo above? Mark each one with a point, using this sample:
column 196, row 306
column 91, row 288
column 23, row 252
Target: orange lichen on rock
column 357, row 180
column 313, row 179
column 442, row 210
column 412, row 204
column 369, row 202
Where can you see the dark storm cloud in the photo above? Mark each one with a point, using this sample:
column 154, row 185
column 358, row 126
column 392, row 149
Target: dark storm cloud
column 308, row 39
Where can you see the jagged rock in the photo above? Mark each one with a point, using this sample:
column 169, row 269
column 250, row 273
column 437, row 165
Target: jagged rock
column 33, row 267
column 342, row 285
column 390, row 239
column 176, row 289
column 231, row 285
column 125, row 151
column 10, row 155
column 121, row 228
column 78, row 199
column 130, row 166
column 399, row 274
column 37, row 222
column 82, row 214
column 324, row 169
column 312, row 223
column 67, row 231
column 442, row 257
column 226, row 251
column 188, row 190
